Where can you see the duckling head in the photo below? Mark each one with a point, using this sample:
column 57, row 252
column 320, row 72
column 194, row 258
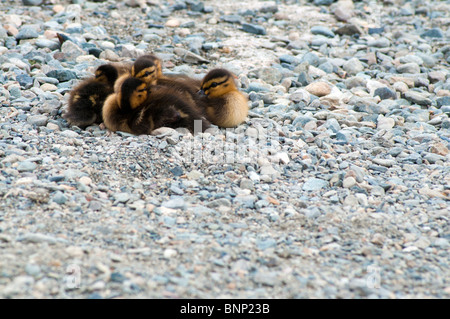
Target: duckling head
column 217, row 83
column 147, row 68
column 107, row 74
column 132, row 94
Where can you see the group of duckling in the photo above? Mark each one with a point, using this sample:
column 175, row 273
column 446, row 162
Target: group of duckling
column 139, row 98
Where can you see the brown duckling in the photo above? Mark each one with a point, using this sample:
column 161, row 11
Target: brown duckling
column 149, row 69
column 224, row 104
column 87, row 98
column 138, row 109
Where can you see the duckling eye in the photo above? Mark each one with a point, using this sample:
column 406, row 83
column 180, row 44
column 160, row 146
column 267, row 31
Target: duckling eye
column 147, row 73
column 214, row 84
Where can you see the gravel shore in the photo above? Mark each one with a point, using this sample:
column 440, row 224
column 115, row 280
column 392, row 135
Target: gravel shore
column 336, row 186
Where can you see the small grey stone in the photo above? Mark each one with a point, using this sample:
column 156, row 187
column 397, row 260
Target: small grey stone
column 433, row 158
column 122, row 197
column 384, row 162
column 270, row 75
column 412, row 68
column 32, row 269
column 176, row 190
column 379, row 43
column 349, row 29
column 175, row 203
column 246, row 184
column 311, row 58
column 219, row 202
column 95, row 205
column 433, row 33
column 253, row 28
column 232, row 18
column 71, row 50
column 445, row 100
column 25, row 81
column 417, row 98
column 45, row 43
column 428, row 60
column 117, row 277
column 322, row 31
column 32, row 2
column 257, row 87
column 327, row 67
column 62, row 75
column 3, row 33
column 385, row 93
column 189, row 57
column 353, row 66
column 27, row 32
column 196, row 6
column 266, row 278
column 411, row 58
column 349, row 182
column 314, row 184
column 333, row 125
column 26, row 166
column 290, row 59
column 441, row 243
column 266, row 243
column 34, row 238
column 304, row 79
column 395, row 151
column 38, row 120
column 301, row 120
column 59, row 198
column 355, row 81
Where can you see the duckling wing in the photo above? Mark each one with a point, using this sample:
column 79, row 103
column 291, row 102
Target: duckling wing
column 86, row 102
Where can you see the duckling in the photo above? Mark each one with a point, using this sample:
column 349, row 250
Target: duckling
column 149, row 69
column 224, row 104
column 136, row 109
column 87, row 98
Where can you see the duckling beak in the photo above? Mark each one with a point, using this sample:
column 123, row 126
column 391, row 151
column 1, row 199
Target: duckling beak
column 202, row 93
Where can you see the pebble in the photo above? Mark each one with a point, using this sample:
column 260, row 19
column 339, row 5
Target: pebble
column 385, row 93
column 26, row 166
column 27, row 32
column 314, row 184
column 353, row 66
column 322, row 31
column 412, row 68
column 122, row 197
column 433, row 33
column 254, row 29
column 349, row 182
column 385, row 123
column 59, row 198
column 417, row 97
column 318, row 88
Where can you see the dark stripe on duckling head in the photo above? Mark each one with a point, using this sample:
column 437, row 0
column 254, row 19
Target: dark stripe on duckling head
column 144, row 62
column 215, row 74
column 133, row 93
column 144, row 73
column 106, row 73
column 214, row 82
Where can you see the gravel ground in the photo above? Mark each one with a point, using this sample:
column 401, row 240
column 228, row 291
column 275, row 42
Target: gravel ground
column 337, row 185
